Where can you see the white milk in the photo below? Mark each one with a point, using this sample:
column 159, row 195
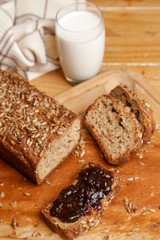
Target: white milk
column 80, row 40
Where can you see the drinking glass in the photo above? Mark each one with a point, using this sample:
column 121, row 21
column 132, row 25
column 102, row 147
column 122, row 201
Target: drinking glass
column 80, row 37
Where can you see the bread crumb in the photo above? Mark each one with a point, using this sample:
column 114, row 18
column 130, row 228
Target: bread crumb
column 47, row 182
column 13, row 203
column 79, row 150
column 36, row 234
column 14, row 223
column 106, row 237
column 37, row 224
column 130, row 207
column 26, row 194
column 2, row 194
column 132, row 178
column 81, row 161
column 141, row 163
column 144, row 213
column 151, row 210
column 134, row 229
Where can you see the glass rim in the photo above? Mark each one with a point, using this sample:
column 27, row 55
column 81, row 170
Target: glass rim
column 76, row 4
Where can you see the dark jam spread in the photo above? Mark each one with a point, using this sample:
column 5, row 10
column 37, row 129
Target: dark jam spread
column 75, row 201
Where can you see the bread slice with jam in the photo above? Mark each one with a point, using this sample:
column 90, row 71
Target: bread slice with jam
column 79, row 206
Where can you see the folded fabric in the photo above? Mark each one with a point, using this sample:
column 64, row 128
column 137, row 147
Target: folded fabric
column 27, row 36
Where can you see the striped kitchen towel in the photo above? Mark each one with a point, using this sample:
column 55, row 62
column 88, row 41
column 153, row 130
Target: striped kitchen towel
column 27, row 36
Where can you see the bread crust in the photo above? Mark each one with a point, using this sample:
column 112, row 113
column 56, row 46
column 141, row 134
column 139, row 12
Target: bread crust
column 69, row 231
column 30, row 123
column 136, row 131
column 127, row 96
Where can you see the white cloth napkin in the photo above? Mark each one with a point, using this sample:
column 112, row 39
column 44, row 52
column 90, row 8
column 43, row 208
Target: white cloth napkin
column 27, row 36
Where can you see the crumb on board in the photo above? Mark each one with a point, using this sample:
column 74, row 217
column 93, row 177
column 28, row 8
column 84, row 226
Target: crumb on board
column 129, row 206
column 26, row 194
column 79, row 151
column 2, row 194
column 132, row 178
column 36, row 234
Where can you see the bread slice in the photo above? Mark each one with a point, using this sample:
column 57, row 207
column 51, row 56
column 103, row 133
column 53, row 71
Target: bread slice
column 70, row 230
column 140, row 108
column 36, row 132
column 114, row 128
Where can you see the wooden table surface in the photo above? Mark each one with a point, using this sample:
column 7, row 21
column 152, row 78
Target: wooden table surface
column 132, row 41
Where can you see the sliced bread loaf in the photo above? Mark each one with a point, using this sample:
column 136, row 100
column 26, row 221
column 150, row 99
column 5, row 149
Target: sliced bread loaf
column 79, row 206
column 36, row 132
column 115, row 129
column 139, row 107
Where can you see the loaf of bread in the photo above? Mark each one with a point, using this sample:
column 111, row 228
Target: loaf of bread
column 115, row 129
column 79, row 206
column 139, row 107
column 36, row 132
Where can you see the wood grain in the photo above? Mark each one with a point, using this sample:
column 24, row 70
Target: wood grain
column 126, row 3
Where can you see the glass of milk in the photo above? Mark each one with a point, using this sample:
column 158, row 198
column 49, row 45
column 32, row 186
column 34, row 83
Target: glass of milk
column 80, row 36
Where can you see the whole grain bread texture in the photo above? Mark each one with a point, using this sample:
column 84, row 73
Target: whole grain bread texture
column 69, row 231
column 115, row 129
column 140, row 108
column 36, row 132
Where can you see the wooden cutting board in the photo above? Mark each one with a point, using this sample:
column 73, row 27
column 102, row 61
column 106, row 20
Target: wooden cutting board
column 21, row 200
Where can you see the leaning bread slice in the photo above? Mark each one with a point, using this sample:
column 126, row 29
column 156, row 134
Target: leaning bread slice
column 116, row 130
column 79, row 206
column 139, row 107
column 36, row 132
